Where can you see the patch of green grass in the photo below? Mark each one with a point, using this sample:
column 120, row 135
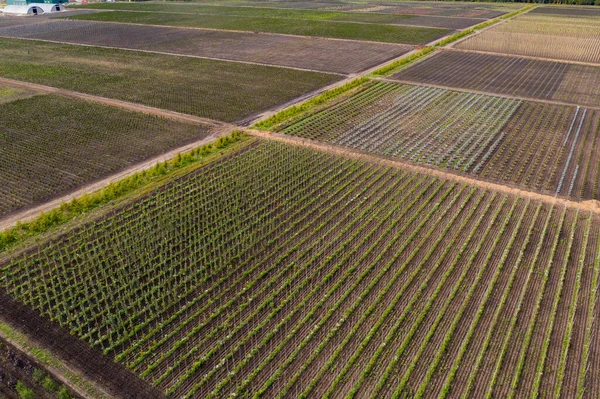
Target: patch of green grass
column 252, row 12
column 304, row 27
column 221, row 90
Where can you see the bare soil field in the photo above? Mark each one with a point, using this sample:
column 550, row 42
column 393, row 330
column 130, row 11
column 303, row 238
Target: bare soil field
column 547, row 36
column 338, row 56
column 515, row 76
column 52, row 145
column 282, row 272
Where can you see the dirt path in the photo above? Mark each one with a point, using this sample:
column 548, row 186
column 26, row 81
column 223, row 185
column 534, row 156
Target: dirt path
column 115, row 103
column 588, row 206
column 487, row 93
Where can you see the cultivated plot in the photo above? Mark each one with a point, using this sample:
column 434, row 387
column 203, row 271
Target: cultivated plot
column 545, row 36
column 283, row 272
column 340, row 56
column 303, row 27
column 290, row 13
column 515, row 76
column 454, row 9
column 52, row 145
column 567, row 11
column 226, row 91
column 548, row 148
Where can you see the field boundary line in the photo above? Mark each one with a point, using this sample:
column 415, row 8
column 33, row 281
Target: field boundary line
column 589, row 206
column 528, row 57
column 32, row 213
column 115, row 103
column 487, row 93
column 177, row 54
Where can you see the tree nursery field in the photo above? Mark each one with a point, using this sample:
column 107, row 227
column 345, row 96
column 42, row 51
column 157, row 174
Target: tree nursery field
column 513, row 76
column 550, row 148
column 538, row 35
column 338, row 56
column 52, row 145
column 220, row 90
column 371, row 219
column 304, row 27
column 309, row 274
column 292, row 13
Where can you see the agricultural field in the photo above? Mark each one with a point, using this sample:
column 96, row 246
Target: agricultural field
column 446, row 9
column 568, row 11
column 225, row 91
column 509, row 75
column 303, row 27
column 291, row 13
column 53, row 145
column 546, row 36
column 280, row 271
column 22, row 378
column 299, row 52
column 544, row 147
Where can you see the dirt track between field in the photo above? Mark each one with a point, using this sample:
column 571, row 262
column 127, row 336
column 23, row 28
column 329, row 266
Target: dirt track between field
column 590, row 205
